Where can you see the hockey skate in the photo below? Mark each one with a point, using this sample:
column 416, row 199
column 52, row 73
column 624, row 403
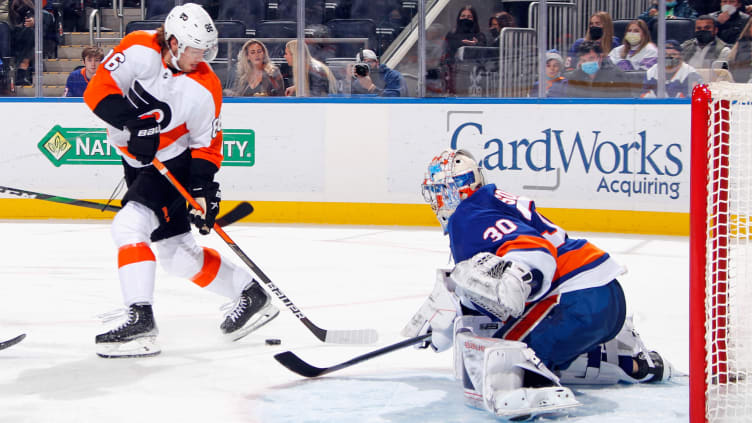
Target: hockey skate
column 251, row 311
column 134, row 338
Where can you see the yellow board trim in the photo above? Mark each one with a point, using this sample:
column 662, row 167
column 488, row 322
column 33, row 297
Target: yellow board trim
column 582, row 220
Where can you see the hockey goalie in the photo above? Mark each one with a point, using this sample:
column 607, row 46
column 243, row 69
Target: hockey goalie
column 526, row 309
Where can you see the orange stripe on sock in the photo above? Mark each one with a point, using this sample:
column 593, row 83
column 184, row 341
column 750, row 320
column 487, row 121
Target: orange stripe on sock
column 134, row 253
column 209, row 270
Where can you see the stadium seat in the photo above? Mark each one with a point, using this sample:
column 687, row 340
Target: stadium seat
column 250, row 12
column 145, row 25
column 620, row 27
column 352, row 28
column 678, row 29
column 229, row 29
column 276, row 29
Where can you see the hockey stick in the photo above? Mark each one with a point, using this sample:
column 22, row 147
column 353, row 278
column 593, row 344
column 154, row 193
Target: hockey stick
column 238, row 212
column 11, row 342
column 296, row 365
column 355, row 336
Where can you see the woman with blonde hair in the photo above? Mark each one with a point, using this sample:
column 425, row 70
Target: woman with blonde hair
column 600, row 29
column 637, row 52
column 319, row 80
column 256, row 75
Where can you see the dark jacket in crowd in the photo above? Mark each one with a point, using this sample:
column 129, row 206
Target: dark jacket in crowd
column 729, row 31
column 690, row 47
column 388, row 82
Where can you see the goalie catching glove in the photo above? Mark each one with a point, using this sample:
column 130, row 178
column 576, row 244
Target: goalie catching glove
column 499, row 286
column 144, row 141
column 208, row 196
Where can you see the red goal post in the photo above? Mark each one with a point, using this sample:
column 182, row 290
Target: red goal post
column 721, row 254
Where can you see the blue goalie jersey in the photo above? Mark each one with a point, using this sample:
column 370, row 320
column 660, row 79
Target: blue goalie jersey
column 500, row 223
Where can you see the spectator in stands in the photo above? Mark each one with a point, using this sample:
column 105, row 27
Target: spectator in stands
column 319, row 80
column 79, row 79
column 674, row 9
column 256, row 75
column 705, row 48
column 556, row 84
column 681, row 78
column 731, row 20
column 375, row 78
column 465, row 33
column 496, row 23
column 740, row 57
column 601, row 29
column 21, row 19
column 595, row 75
column 435, row 60
column 637, row 52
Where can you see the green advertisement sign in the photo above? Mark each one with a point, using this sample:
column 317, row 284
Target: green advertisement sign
column 88, row 146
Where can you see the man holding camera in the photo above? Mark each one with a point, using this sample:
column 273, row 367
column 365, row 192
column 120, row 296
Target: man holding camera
column 370, row 77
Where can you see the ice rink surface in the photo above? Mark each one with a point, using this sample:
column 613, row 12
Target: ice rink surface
column 56, row 277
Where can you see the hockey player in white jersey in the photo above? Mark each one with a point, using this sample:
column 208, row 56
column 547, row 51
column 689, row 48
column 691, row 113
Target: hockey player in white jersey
column 527, row 309
column 160, row 98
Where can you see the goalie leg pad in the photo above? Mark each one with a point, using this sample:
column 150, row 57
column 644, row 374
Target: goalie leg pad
column 494, row 377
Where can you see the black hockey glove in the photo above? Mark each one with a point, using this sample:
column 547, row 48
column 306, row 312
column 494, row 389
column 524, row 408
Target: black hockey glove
column 144, row 141
column 208, row 196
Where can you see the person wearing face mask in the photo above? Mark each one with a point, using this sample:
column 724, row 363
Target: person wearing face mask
column 681, row 78
column 600, row 29
column 466, row 33
column 705, row 48
column 731, row 20
column 594, row 76
column 674, row 9
column 637, row 52
column 556, row 84
column 496, row 23
column 740, row 57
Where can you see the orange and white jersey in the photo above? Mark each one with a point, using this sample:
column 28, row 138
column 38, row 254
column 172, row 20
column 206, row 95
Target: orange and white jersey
column 186, row 105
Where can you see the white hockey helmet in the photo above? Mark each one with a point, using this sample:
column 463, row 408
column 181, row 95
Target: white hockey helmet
column 452, row 176
column 192, row 26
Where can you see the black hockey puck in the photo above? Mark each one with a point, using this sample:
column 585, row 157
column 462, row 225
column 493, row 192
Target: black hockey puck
column 273, row 341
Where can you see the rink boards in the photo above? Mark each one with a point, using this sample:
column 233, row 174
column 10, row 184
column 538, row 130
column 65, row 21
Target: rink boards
column 616, row 166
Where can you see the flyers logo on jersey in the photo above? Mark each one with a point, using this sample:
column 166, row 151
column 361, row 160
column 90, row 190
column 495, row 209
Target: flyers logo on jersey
column 146, row 104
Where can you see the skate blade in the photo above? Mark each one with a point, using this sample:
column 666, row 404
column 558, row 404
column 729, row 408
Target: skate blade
column 140, row 347
column 265, row 315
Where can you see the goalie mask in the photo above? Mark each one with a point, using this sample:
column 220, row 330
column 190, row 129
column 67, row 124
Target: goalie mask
column 452, row 177
column 191, row 26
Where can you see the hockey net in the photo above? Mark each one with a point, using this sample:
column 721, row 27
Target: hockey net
column 721, row 254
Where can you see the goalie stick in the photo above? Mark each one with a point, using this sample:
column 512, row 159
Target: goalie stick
column 297, row 365
column 354, row 336
column 238, row 212
column 11, row 342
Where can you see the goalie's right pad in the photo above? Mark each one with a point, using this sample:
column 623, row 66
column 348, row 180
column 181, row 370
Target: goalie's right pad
column 499, row 286
column 506, row 378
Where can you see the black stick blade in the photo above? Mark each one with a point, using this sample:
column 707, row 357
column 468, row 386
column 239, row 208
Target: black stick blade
column 238, row 212
column 11, row 342
column 296, row 365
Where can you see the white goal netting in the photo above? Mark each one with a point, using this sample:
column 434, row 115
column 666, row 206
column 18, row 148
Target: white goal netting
column 728, row 270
